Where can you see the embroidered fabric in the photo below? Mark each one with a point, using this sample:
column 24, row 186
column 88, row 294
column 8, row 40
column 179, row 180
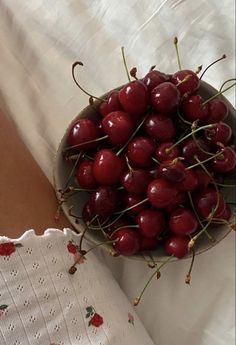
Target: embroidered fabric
column 42, row 304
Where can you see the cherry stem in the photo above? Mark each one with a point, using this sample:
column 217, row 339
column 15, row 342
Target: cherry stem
column 125, row 64
column 177, row 52
column 189, row 135
column 217, row 94
column 182, row 119
column 74, row 189
column 227, row 81
column 79, row 86
column 72, row 171
column 202, row 162
column 132, row 135
column 198, row 69
column 188, row 276
column 133, row 73
column 222, row 57
column 137, row 300
column 199, row 146
column 85, row 142
column 155, row 160
column 225, row 185
column 184, row 80
column 151, row 263
column 130, row 208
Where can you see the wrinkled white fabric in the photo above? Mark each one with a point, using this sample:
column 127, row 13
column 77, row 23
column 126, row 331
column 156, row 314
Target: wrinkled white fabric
column 40, row 39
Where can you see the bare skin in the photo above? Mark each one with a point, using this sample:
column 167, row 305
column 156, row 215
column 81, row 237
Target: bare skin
column 27, row 199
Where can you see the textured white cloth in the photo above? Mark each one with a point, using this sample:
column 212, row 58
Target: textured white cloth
column 42, row 304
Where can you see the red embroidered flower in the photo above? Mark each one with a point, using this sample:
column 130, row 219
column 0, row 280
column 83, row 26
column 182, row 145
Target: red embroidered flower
column 96, row 320
column 7, row 248
column 71, row 248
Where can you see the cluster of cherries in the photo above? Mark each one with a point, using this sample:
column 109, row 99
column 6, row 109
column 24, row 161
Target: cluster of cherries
column 153, row 162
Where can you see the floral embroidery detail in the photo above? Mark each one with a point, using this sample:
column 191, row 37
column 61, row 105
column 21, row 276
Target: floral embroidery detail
column 74, row 249
column 96, row 320
column 7, row 248
column 3, row 307
column 130, row 318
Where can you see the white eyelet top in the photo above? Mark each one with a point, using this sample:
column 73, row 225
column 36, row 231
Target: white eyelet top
column 42, row 304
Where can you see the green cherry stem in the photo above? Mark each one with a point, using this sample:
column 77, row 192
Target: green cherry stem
column 177, row 52
column 203, row 162
column 214, row 62
column 188, row 276
column 217, row 94
column 85, row 142
column 227, row 81
column 125, row 64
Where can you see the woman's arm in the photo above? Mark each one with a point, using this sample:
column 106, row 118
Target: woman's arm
column 27, row 199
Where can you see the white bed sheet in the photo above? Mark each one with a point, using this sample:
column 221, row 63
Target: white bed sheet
column 40, row 39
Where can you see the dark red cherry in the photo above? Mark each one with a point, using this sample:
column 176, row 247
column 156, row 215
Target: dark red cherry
column 183, row 221
column 227, row 213
column 189, row 183
column 134, row 98
column 165, row 98
column 179, row 200
column 107, row 167
column 104, row 201
column 136, row 181
column 140, row 151
column 151, row 223
column 163, row 155
column 189, row 86
column 220, row 133
column 131, row 200
column 203, row 179
column 84, row 175
column 224, row 162
column 148, row 243
column 119, row 223
column 161, row 193
column 111, row 104
column 193, row 108
column 119, row 126
column 193, row 148
column 205, row 202
column 81, row 131
column 177, row 246
column 159, row 127
column 153, row 79
column 126, row 241
column 217, row 111
column 172, row 170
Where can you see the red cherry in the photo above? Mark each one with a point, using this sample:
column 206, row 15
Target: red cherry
column 151, row 223
column 153, row 79
column 196, row 148
column 217, row 111
column 81, row 131
column 220, row 133
column 136, row 181
column 127, row 241
column 104, row 201
column 177, row 246
column 189, row 86
column 193, row 109
column 224, row 162
column 88, row 211
column 118, row 126
column 160, row 127
column 119, row 223
column 227, row 213
column 189, row 183
column 148, row 243
column 183, row 221
column 205, row 202
column 179, row 200
column 111, row 104
column 172, row 170
column 131, row 200
column 161, row 193
column 163, row 155
column 84, row 175
column 165, row 98
column 140, row 151
column 107, row 167
column 134, row 98
column 203, row 179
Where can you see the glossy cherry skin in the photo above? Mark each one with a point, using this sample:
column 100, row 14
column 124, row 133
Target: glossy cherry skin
column 140, row 151
column 131, row 200
column 119, row 126
column 107, row 167
column 160, row 127
column 134, row 98
column 136, row 181
column 183, row 221
column 163, row 155
column 225, row 162
column 189, row 183
column 193, row 148
column 217, row 111
column 105, row 200
column 189, row 86
column 193, row 109
column 206, row 200
column 81, row 131
column 220, row 133
column 172, row 170
column 127, row 241
column 177, row 246
column 165, row 98
column 151, row 223
column 179, row 200
column 203, row 179
column 153, row 79
column 161, row 193
column 84, row 175
column 148, row 243
column 111, row 104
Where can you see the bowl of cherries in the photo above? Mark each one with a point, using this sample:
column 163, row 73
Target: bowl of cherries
column 148, row 169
